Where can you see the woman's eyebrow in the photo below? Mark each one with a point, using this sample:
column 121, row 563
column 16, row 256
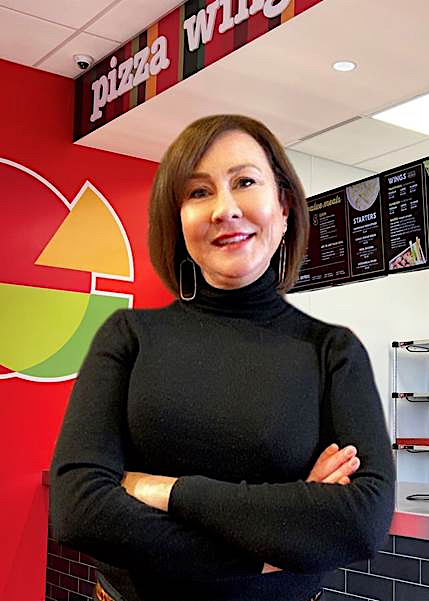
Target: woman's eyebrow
column 243, row 166
column 234, row 169
column 199, row 175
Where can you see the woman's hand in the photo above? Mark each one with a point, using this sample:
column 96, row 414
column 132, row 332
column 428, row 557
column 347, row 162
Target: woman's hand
column 155, row 492
column 335, row 465
column 267, row 569
column 149, row 489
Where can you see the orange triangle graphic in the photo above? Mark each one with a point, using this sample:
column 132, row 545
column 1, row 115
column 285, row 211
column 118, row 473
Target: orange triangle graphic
column 89, row 239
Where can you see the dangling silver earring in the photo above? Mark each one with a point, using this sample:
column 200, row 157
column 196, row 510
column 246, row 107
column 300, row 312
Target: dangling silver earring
column 182, row 268
column 282, row 259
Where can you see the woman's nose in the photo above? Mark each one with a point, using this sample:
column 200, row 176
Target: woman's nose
column 225, row 207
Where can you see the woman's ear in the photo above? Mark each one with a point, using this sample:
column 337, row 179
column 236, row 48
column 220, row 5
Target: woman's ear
column 284, row 202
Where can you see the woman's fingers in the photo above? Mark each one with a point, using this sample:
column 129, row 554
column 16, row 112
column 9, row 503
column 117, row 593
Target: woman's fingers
column 330, row 461
column 344, row 480
column 341, row 475
column 267, row 569
column 328, row 452
column 321, row 467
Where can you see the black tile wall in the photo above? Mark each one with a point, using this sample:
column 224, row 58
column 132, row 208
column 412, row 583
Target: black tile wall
column 396, row 566
column 334, row 596
column 398, row 572
column 70, row 575
column 77, row 597
column 425, row 572
column 335, row 580
column 86, row 588
column 370, row 586
column 412, row 547
column 411, row 592
column 70, row 553
column 360, row 566
column 387, row 545
column 80, row 570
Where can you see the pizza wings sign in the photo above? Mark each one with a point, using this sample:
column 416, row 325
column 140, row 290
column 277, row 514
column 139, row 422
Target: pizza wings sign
column 201, row 25
column 129, row 74
column 151, row 60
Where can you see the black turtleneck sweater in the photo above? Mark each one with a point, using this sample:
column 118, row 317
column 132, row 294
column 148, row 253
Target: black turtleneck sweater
column 236, row 393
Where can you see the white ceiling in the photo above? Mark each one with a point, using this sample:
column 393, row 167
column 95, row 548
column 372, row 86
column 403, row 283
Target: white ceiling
column 283, row 78
column 46, row 33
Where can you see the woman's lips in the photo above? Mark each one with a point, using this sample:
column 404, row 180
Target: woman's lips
column 232, row 240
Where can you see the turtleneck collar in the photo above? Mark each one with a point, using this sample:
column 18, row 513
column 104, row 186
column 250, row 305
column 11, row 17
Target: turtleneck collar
column 258, row 301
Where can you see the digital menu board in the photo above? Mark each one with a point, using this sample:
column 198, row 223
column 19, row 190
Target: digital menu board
column 404, row 212
column 370, row 228
column 326, row 261
column 365, row 228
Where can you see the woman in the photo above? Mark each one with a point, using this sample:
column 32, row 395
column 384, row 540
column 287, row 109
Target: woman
column 209, row 451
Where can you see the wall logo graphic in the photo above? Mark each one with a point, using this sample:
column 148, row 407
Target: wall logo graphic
column 52, row 252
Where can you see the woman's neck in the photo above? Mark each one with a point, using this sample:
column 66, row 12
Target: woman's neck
column 258, row 301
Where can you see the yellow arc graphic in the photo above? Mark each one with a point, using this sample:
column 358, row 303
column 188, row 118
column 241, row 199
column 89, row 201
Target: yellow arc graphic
column 89, row 239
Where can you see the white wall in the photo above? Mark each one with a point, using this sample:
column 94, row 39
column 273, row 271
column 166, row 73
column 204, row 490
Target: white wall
column 395, row 307
column 319, row 175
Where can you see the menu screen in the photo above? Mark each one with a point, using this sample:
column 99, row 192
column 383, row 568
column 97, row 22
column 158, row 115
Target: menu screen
column 404, row 207
column 326, row 261
column 365, row 228
column 368, row 229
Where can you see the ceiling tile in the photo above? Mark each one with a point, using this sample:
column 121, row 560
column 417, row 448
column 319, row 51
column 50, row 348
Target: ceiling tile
column 361, row 31
column 130, row 17
column 303, row 82
column 280, row 79
column 73, row 13
column 25, row 39
column 399, row 157
column 359, row 140
column 62, row 62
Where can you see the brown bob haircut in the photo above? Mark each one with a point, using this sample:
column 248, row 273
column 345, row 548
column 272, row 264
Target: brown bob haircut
column 166, row 243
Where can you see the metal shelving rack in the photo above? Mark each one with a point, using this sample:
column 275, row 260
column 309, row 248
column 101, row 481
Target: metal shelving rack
column 409, row 444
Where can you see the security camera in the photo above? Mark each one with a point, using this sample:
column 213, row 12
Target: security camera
column 83, row 61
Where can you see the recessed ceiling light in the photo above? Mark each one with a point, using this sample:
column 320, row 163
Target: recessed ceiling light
column 344, row 66
column 413, row 114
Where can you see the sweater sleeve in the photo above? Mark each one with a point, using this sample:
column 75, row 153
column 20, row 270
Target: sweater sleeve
column 310, row 527
column 89, row 508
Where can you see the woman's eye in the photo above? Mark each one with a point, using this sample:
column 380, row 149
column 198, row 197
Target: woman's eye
column 198, row 193
column 245, row 182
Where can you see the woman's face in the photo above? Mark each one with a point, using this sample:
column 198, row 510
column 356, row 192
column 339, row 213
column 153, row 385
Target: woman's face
column 231, row 215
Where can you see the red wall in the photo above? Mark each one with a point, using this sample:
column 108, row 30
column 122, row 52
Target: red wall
column 36, row 131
